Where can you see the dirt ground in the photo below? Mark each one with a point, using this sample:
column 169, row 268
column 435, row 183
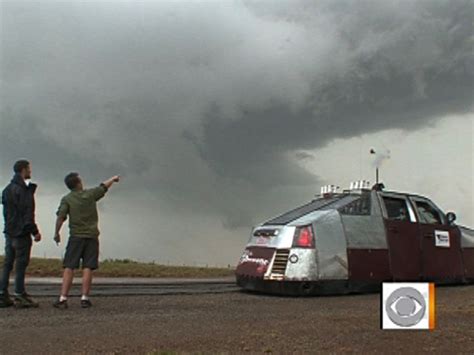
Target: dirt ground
column 233, row 322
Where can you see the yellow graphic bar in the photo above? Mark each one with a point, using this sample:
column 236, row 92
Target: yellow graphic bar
column 432, row 306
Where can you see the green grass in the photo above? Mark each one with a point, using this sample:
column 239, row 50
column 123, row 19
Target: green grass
column 41, row 267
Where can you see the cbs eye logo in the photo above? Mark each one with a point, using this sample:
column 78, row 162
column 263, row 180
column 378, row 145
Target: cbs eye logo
column 407, row 306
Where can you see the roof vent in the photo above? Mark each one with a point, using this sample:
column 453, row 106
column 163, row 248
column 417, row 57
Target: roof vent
column 360, row 184
column 329, row 189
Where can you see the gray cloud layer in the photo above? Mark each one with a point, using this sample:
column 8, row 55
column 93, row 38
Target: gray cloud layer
column 207, row 106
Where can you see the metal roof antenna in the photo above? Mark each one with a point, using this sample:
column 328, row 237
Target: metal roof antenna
column 379, row 159
column 372, row 151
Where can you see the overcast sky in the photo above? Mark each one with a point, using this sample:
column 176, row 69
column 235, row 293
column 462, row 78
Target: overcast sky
column 221, row 114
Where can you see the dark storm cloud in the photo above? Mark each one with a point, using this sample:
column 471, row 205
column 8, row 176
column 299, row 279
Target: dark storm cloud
column 208, row 107
column 406, row 65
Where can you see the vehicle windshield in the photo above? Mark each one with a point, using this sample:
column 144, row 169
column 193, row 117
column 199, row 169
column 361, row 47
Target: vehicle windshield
column 333, row 202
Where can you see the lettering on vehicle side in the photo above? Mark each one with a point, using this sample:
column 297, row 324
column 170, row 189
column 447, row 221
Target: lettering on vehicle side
column 247, row 258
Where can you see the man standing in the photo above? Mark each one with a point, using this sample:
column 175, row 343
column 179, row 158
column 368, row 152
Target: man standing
column 19, row 214
column 80, row 205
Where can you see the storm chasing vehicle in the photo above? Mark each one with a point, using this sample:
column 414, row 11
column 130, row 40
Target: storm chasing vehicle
column 352, row 241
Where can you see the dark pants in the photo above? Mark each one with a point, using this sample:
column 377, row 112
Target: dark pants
column 17, row 252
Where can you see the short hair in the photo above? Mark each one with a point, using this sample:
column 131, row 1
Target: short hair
column 72, row 180
column 20, row 165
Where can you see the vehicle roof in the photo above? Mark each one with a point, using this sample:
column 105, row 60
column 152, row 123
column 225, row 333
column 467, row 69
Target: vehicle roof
column 320, row 203
column 325, row 200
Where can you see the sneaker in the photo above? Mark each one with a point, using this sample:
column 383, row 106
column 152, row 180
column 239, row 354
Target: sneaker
column 60, row 304
column 25, row 301
column 5, row 300
column 86, row 304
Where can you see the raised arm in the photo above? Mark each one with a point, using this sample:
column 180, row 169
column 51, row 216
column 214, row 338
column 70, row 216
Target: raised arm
column 109, row 182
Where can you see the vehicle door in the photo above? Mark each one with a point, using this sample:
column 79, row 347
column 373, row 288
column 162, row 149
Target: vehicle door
column 441, row 245
column 403, row 237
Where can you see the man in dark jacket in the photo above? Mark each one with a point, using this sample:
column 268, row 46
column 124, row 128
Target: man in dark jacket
column 19, row 214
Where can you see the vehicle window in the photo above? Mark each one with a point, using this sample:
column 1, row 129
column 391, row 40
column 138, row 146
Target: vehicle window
column 396, row 208
column 428, row 213
column 303, row 210
column 359, row 207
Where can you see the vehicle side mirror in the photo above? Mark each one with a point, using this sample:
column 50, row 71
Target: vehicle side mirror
column 451, row 216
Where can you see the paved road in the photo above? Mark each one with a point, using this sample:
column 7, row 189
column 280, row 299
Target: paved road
column 44, row 287
column 233, row 322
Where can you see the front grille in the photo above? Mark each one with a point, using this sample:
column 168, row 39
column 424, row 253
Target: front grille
column 281, row 259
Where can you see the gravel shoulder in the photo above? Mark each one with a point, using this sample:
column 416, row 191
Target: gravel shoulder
column 233, row 322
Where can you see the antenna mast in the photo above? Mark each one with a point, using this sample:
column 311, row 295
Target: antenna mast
column 372, row 151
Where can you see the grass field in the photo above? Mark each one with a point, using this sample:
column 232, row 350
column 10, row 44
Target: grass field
column 41, row 267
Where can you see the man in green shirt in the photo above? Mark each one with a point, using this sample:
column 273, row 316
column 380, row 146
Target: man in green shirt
column 80, row 206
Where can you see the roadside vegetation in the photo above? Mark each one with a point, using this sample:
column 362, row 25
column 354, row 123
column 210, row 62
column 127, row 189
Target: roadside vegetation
column 42, row 267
